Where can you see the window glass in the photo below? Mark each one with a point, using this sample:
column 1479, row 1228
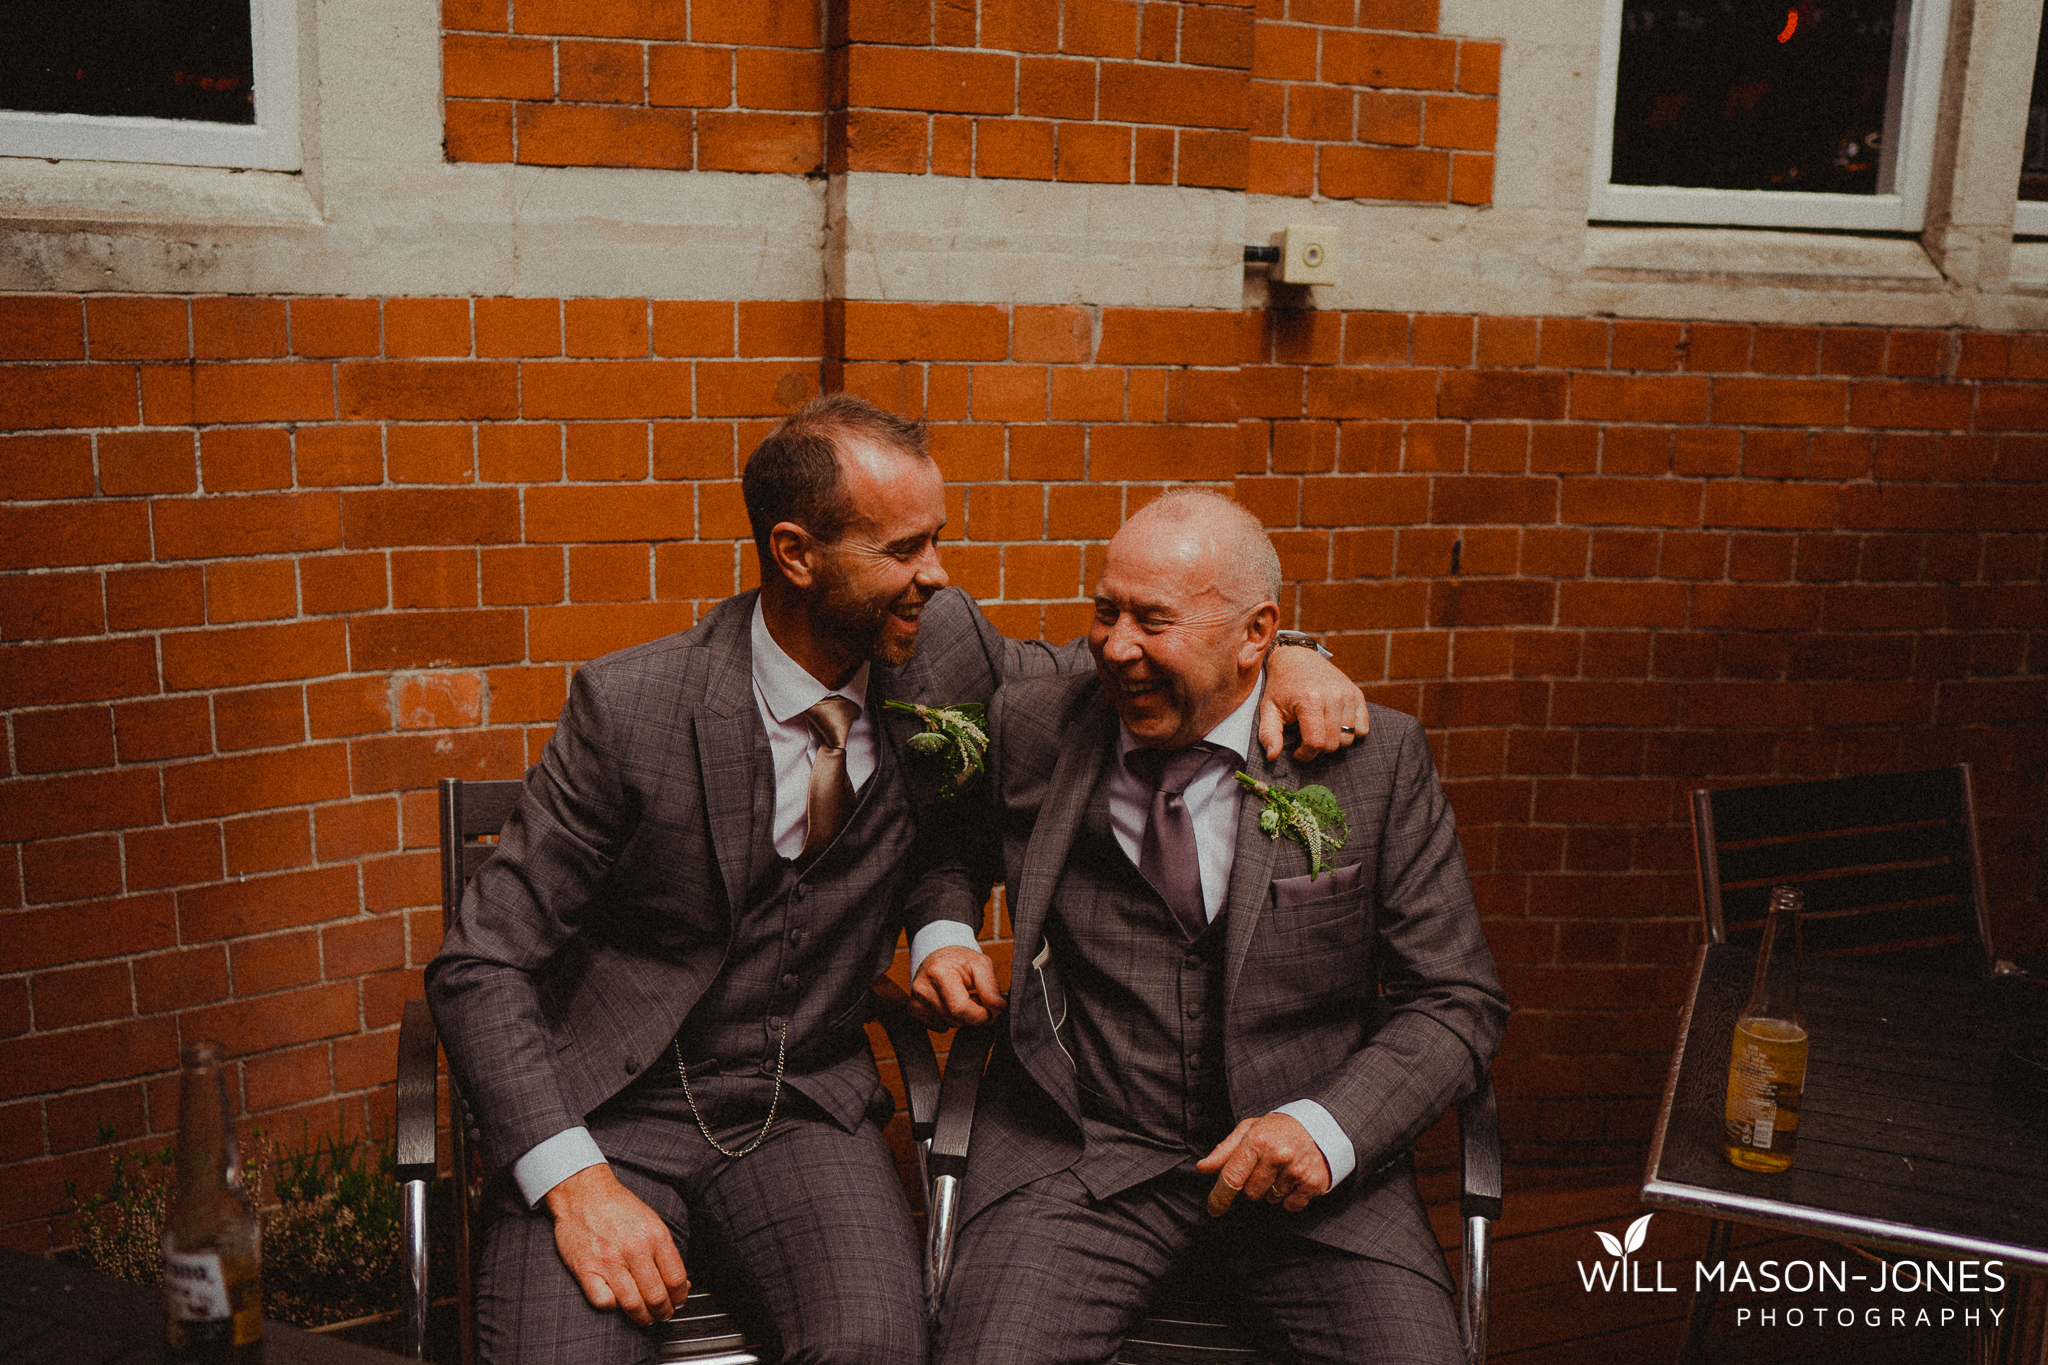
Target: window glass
column 1755, row 95
column 169, row 59
column 2034, row 165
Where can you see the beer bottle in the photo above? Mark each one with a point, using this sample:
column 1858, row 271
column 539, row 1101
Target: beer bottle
column 212, row 1248
column 1767, row 1062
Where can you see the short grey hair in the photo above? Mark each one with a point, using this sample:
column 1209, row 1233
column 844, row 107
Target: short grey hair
column 1248, row 567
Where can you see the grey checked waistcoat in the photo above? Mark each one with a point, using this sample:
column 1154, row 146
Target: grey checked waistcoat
column 1144, row 1015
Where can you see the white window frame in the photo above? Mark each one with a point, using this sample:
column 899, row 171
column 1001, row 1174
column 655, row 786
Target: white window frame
column 1909, row 155
column 271, row 143
column 2030, row 216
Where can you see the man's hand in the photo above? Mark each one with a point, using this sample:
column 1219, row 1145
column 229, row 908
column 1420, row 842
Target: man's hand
column 1304, row 687
column 1273, row 1158
column 618, row 1249
column 955, row 986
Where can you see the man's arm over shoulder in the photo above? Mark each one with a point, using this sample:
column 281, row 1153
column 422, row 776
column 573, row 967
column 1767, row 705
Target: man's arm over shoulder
column 1445, row 1006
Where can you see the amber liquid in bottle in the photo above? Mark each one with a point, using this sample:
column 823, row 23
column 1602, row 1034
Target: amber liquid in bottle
column 212, row 1248
column 1767, row 1059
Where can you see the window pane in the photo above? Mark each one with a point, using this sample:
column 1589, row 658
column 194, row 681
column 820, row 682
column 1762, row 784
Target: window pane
column 1756, row 94
column 178, row 59
column 2034, row 167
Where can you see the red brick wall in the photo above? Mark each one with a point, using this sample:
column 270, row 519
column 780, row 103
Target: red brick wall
column 272, row 566
column 1352, row 98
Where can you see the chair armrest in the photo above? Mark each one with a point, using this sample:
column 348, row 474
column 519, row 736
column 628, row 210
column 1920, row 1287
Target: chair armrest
column 1479, row 1145
column 958, row 1094
column 889, row 1006
column 418, row 1092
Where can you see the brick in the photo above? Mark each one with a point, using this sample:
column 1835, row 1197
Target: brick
column 1372, row 394
column 607, row 450
column 37, row 467
column 41, row 327
column 87, row 1056
column 767, row 78
column 927, row 79
column 1647, row 345
column 428, row 390
column 386, row 763
column 689, row 76
column 1212, row 160
column 333, row 584
column 2012, row 408
column 141, row 599
column 911, row 331
column 433, row 578
column 609, row 573
column 215, row 787
column 1099, row 28
column 442, row 516
column 336, row 327
column 172, row 855
column 246, row 459
column 764, row 23
column 1281, row 168
column 283, row 523
column 1322, row 113
column 1501, row 393
column 268, row 843
column 1185, row 96
column 58, row 741
column 597, row 389
column 781, row 329
column 195, row 660
column 371, row 944
column 1780, row 402
column 1093, row 153
column 73, row 533
column 604, row 135
column 1020, row 25
column 526, row 694
column 867, row 140
column 34, row 396
column 1015, row 149
column 138, row 328
column 779, row 144
column 279, row 1020
column 601, row 18
column 286, row 391
column 1930, row 406
column 54, row 807
column 348, row 706
column 1162, row 453
column 133, row 462
column 1477, row 498
column 601, row 73
column 48, row 606
column 1912, row 352
column 1471, row 178
column 434, row 639
column 1607, row 397
column 519, row 454
column 1216, row 37
column 180, row 980
column 251, row 590
column 1054, row 87
column 1165, row 336
column 691, row 571
column 1460, row 122
column 430, row 454
column 1388, row 61
column 1777, row 506
column 238, row 328
column 355, row 828
column 1479, row 68
column 497, row 68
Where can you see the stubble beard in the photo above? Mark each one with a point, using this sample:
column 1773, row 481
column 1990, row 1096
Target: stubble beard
column 858, row 625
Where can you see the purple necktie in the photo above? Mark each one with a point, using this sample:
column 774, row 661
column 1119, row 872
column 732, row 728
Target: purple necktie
column 1168, row 857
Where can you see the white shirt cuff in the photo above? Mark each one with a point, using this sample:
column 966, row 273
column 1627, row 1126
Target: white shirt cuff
column 940, row 933
column 1336, row 1148
column 549, row 1162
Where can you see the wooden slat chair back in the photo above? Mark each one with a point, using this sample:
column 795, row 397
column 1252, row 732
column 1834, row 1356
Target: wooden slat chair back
column 700, row 1332
column 1888, row 865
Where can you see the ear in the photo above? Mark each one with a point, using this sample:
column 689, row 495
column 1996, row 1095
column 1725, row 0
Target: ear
column 794, row 553
column 1259, row 631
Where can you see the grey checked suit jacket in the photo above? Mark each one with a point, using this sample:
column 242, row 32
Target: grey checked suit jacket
column 611, row 902
column 1369, row 990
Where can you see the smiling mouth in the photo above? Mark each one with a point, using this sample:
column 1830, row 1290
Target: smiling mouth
column 1134, row 687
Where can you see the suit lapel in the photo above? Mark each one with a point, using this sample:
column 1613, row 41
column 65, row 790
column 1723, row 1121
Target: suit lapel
column 1059, row 821
column 1251, row 870
column 727, row 724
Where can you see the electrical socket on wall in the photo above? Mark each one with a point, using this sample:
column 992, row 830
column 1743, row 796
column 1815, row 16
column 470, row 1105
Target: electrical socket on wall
column 1308, row 254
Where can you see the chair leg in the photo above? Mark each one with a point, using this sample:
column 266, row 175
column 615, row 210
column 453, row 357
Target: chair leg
column 1478, row 1270
column 1704, row 1297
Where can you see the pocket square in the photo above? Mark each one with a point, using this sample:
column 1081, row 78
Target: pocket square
column 1289, row 892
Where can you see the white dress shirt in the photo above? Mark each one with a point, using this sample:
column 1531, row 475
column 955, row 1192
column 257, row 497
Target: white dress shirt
column 783, row 691
column 1213, row 799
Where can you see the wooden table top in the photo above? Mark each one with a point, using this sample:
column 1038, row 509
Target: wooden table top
column 1910, row 1135
column 52, row 1314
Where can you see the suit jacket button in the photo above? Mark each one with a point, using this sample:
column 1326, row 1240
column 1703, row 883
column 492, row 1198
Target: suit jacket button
column 789, row 981
column 629, row 1065
column 1193, row 962
column 1194, row 1010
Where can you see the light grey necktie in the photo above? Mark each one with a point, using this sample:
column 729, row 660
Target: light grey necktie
column 1167, row 856
column 831, row 794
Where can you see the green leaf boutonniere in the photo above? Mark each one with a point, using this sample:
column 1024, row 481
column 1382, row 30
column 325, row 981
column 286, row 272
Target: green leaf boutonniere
column 1311, row 817
column 954, row 737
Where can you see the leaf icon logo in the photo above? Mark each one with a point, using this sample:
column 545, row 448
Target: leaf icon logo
column 1637, row 1232
column 1608, row 1240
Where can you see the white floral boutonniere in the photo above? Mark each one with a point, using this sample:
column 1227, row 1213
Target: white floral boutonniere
column 954, row 738
column 1311, row 817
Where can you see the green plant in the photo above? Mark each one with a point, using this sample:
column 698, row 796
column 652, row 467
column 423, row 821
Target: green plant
column 329, row 1209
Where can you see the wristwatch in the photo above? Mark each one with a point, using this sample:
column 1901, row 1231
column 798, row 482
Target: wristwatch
column 1302, row 638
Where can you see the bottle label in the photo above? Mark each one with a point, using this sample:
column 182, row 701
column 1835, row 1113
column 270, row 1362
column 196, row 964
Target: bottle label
column 195, row 1286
